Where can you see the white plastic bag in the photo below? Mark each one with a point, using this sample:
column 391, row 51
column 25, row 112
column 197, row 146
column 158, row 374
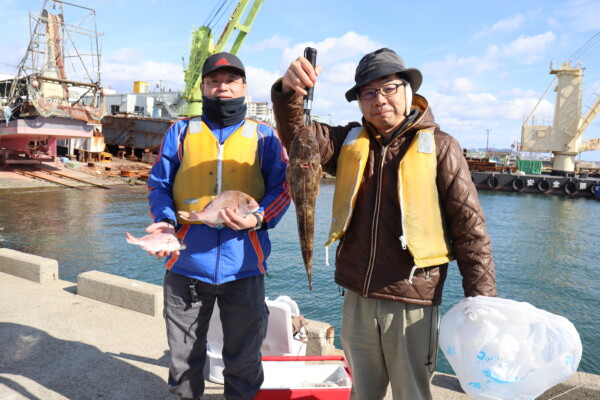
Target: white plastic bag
column 503, row 349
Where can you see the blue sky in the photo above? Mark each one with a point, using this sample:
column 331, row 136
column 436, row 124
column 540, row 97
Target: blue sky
column 485, row 62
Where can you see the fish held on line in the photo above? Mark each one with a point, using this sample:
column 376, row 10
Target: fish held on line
column 303, row 175
column 157, row 241
column 240, row 202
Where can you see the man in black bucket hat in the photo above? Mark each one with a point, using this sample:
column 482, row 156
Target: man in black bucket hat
column 404, row 206
column 380, row 63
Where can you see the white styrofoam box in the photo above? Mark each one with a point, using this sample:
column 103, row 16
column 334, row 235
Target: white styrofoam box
column 296, row 375
column 305, row 377
column 278, row 342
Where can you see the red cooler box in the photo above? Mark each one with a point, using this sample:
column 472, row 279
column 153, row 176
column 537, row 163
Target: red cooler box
column 306, row 378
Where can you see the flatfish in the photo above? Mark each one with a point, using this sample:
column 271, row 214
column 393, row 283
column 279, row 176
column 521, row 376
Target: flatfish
column 303, row 176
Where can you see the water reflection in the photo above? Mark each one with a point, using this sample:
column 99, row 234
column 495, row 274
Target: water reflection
column 545, row 249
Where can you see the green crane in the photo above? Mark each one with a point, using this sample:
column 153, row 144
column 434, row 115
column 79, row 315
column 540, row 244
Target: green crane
column 202, row 47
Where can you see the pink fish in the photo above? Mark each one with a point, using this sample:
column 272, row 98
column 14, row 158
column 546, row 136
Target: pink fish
column 157, row 241
column 241, row 203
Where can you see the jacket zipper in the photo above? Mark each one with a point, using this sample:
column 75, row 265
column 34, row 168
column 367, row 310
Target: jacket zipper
column 375, row 225
column 219, row 188
column 402, row 222
column 220, row 168
column 218, row 259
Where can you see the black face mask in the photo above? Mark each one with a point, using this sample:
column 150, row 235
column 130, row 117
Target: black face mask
column 224, row 112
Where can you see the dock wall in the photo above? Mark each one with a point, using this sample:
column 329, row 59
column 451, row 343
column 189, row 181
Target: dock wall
column 58, row 344
column 142, row 297
column 28, row 266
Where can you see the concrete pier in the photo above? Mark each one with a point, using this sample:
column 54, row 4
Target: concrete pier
column 57, row 343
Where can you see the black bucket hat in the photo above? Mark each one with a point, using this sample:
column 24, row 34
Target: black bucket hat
column 380, row 63
column 223, row 60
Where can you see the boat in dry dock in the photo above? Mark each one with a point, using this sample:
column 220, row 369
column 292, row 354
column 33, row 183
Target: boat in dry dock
column 44, row 103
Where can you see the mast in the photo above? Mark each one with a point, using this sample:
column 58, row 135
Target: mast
column 55, row 75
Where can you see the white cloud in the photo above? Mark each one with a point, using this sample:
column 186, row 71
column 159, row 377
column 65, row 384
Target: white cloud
column 338, row 56
column 508, row 25
column 260, row 82
column 274, row 42
column 453, row 64
column 124, row 56
column 121, row 75
column 333, row 50
column 580, row 15
column 519, row 92
column 467, row 116
column 527, row 49
column 456, row 86
column 342, row 73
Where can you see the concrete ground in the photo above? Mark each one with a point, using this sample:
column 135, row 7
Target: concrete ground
column 55, row 344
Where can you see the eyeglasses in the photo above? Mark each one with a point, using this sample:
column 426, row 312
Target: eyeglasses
column 386, row 90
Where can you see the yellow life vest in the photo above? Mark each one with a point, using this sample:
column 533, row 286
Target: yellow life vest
column 424, row 232
column 209, row 168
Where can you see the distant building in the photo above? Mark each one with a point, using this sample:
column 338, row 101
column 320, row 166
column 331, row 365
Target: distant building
column 166, row 105
column 260, row 111
column 169, row 105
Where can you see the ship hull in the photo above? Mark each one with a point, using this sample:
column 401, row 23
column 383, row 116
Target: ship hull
column 134, row 132
column 578, row 186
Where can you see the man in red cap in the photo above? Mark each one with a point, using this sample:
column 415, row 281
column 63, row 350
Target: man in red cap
column 201, row 157
column 404, row 207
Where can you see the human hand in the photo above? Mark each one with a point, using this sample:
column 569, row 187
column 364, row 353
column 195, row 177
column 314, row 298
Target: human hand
column 300, row 75
column 236, row 221
column 163, row 227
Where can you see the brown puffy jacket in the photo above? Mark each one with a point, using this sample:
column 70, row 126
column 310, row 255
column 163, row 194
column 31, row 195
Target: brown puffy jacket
column 369, row 259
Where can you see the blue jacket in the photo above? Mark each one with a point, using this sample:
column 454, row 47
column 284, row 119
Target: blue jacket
column 217, row 256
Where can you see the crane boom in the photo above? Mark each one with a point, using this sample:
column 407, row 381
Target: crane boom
column 203, row 47
column 590, row 145
column 589, row 117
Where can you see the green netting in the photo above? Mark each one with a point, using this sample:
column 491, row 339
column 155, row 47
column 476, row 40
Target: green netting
column 530, row 166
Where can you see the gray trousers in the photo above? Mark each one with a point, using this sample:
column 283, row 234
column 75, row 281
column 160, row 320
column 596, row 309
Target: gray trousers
column 244, row 317
column 389, row 342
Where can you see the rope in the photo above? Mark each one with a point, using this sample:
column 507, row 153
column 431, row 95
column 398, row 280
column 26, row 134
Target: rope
column 587, row 47
column 215, row 14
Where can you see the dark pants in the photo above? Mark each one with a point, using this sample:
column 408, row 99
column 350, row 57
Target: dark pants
column 244, row 317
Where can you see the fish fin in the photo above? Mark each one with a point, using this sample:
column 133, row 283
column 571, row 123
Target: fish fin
column 130, row 239
column 289, row 179
column 319, row 173
column 191, row 216
column 210, row 204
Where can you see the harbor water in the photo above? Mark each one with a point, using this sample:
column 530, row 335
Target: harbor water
column 546, row 250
